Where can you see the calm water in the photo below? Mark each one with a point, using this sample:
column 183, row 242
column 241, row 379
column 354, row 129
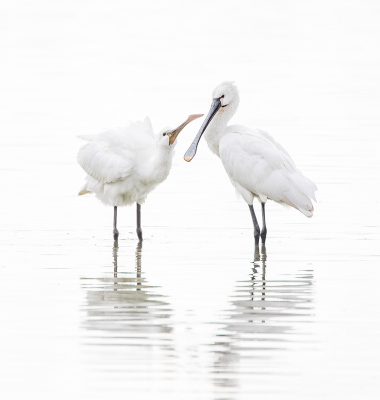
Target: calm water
column 131, row 322
column 196, row 311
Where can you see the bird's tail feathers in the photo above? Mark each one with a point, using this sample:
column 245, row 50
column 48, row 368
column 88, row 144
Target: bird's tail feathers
column 305, row 209
column 300, row 194
column 83, row 190
column 304, row 185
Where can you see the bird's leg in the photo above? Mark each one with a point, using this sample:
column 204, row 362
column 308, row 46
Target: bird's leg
column 115, row 231
column 138, row 215
column 264, row 228
column 256, row 227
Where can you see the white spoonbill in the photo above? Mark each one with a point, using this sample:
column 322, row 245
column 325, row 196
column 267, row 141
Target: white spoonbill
column 125, row 164
column 256, row 164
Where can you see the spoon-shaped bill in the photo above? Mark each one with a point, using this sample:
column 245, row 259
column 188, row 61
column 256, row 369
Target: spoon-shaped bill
column 173, row 134
column 189, row 155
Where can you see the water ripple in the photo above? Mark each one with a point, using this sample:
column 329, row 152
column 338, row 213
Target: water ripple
column 265, row 317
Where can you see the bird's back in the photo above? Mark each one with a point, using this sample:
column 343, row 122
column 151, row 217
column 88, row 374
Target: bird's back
column 259, row 164
column 114, row 154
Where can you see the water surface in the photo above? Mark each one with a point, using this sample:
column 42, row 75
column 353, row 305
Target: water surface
column 196, row 312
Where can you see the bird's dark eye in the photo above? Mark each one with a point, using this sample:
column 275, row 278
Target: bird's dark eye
column 164, row 134
column 221, row 97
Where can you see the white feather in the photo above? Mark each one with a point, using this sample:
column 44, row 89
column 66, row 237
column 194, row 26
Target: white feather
column 257, row 165
column 124, row 165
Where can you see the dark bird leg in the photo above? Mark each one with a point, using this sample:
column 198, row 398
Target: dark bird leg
column 264, row 229
column 115, row 231
column 256, row 227
column 138, row 214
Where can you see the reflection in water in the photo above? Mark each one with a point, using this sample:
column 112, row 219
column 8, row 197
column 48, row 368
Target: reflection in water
column 269, row 313
column 130, row 329
column 124, row 311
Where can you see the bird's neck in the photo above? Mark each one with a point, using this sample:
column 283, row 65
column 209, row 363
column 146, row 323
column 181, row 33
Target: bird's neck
column 218, row 125
column 161, row 163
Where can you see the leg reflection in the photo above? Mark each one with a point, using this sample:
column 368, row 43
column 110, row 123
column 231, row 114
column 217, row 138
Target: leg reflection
column 269, row 310
column 255, row 278
column 125, row 317
column 138, row 265
column 123, row 300
column 115, row 250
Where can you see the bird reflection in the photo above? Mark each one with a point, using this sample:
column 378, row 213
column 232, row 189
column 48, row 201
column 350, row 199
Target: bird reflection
column 115, row 253
column 256, row 264
column 123, row 302
column 268, row 311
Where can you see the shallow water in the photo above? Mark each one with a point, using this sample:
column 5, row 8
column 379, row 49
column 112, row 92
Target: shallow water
column 196, row 311
column 131, row 323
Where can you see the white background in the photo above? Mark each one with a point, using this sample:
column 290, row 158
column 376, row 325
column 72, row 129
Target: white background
column 308, row 72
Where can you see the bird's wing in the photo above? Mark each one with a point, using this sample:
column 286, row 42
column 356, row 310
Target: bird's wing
column 254, row 160
column 113, row 155
column 263, row 137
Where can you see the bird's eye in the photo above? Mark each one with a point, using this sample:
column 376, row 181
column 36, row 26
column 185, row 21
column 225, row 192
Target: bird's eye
column 221, row 97
column 164, row 134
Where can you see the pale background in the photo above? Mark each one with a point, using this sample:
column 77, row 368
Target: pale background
column 190, row 318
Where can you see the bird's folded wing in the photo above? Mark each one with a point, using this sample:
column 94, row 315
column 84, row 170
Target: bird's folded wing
column 112, row 155
column 261, row 165
column 102, row 163
column 263, row 143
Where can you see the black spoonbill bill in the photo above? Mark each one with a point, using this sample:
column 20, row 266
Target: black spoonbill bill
column 256, row 164
column 124, row 165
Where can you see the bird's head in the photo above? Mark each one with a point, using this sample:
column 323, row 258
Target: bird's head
column 167, row 137
column 228, row 95
column 224, row 104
